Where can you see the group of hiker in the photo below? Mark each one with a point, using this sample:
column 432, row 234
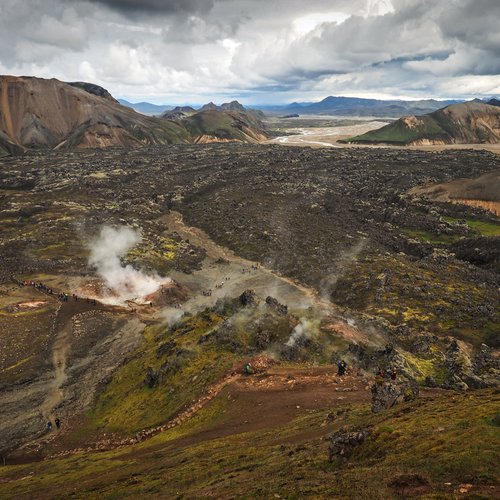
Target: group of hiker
column 390, row 373
column 36, row 284
column 42, row 287
column 382, row 375
column 57, row 421
column 254, row 267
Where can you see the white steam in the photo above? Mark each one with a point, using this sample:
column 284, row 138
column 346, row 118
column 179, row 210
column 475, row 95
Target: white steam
column 304, row 329
column 123, row 282
column 341, row 265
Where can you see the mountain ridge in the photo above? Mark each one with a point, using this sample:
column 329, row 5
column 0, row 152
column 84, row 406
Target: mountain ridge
column 360, row 106
column 48, row 113
column 472, row 122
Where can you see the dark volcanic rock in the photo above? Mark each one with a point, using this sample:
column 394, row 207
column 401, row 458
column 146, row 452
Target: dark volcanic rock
column 344, row 441
column 387, row 393
column 281, row 309
column 248, row 299
column 94, row 89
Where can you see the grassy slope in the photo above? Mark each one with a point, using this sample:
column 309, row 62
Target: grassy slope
column 128, row 404
column 450, row 438
column 482, row 228
column 398, row 133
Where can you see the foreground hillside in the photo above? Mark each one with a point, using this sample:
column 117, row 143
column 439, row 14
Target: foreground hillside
column 443, row 446
column 464, row 123
column 39, row 113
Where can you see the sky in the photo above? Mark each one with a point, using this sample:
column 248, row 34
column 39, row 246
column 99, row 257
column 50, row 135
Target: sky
column 258, row 51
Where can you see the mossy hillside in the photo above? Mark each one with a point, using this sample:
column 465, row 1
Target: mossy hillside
column 128, row 404
column 158, row 253
column 195, row 353
column 447, row 438
column 421, row 296
column 480, row 227
column 399, row 133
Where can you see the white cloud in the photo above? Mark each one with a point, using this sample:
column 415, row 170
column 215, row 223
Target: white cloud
column 177, row 51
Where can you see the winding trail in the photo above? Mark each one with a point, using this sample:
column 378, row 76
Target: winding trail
column 60, row 351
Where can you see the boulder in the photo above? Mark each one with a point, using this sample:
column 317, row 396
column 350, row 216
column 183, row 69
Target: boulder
column 343, row 442
column 248, row 299
column 281, row 309
column 387, row 393
column 152, row 378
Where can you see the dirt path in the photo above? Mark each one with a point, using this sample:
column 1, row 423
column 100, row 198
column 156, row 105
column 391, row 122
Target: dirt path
column 264, row 400
column 59, row 354
column 222, row 266
column 222, row 263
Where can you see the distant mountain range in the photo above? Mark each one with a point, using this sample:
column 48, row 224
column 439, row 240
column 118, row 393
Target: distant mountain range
column 357, row 106
column 41, row 113
column 473, row 122
column 332, row 105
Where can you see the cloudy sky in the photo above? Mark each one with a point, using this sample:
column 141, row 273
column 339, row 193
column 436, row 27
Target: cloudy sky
column 258, row 51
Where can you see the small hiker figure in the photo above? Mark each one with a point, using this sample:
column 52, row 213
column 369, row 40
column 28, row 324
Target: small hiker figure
column 247, row 369
column 342, row 367
column 49, row 425
column 58, row 423
column 379, row 377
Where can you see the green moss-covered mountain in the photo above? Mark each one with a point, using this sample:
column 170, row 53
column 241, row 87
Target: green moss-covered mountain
column 464, row 123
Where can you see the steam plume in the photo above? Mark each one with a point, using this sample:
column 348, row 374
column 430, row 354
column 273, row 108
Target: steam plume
column 305, row 329
column 124, row 282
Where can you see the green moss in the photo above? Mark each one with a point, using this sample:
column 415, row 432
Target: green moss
column 128, row 404
column 426, row 368
column 429, row 237
column 484, row 228
column 480, row 227
column 159, row 254
column 420, row 295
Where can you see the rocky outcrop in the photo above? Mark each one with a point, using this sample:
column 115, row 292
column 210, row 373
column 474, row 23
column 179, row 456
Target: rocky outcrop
column 273, row 303
column 94, row 89
column 387, row 393
column 344, row 441
column 248, row 299
column 464, row 370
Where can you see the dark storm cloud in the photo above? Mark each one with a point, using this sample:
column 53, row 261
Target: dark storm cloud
column 157, row 6
column 475, row 23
